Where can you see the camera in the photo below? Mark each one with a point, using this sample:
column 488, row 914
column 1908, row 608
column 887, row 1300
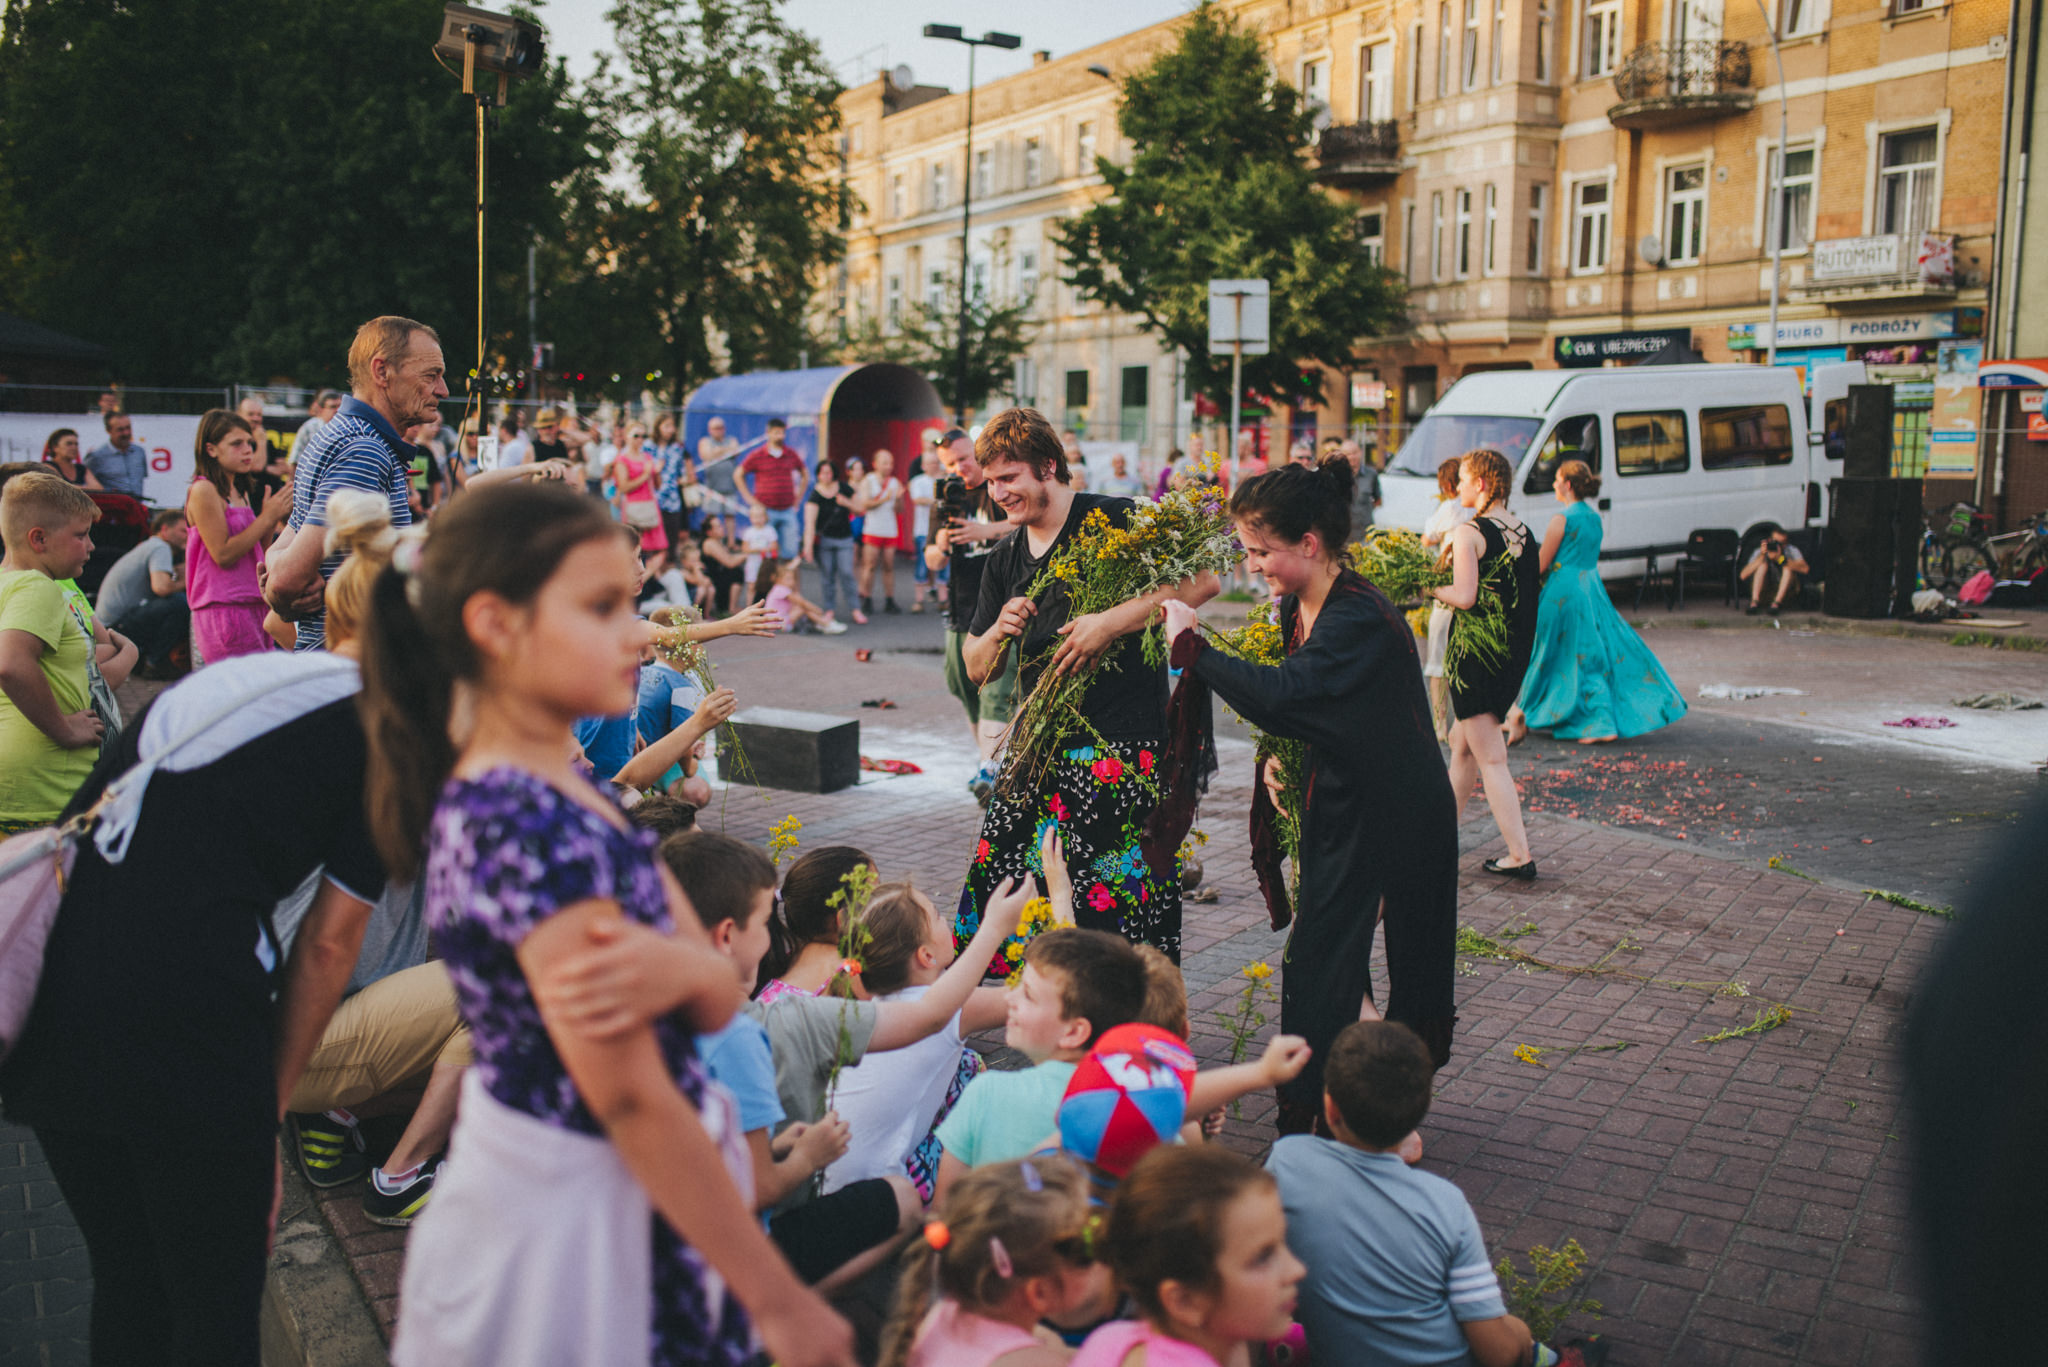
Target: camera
column 956, row 502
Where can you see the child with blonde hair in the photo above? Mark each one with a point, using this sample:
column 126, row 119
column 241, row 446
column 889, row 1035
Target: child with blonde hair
column 1014, row 1244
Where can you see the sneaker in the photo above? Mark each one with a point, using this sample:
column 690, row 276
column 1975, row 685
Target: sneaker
column 330, row 1150
column 398, row 1204
column 889, row 605
column 982, row 784
column 832, row 627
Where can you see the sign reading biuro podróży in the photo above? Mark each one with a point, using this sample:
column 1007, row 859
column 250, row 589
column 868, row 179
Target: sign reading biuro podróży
column 1598, row 348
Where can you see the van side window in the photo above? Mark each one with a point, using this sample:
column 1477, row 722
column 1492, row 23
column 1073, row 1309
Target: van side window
column 1745, row 437
column 1572, row 439
column 1651, row 443
column 1835, row 435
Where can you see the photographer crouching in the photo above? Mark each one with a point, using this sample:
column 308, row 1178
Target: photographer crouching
column 966, row 525
column 1776, row 562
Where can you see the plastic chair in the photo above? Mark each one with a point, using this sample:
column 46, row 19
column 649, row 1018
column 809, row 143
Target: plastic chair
column 1710, row 551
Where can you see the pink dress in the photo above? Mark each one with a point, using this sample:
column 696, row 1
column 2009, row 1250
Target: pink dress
column 227, row 606
column 1113, row 1342
column 632, row 465
column 778, row 603
column 952, row 1337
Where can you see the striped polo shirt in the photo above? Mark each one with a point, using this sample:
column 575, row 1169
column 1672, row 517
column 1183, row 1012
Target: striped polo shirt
column 357, row 449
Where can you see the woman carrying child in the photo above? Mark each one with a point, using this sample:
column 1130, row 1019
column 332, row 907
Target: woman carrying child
column 223, row 561
column 1378, row 837
column 594, row 1167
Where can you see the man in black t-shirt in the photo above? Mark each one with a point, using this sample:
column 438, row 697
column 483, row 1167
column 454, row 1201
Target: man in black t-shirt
column 1105, row 779
column 966, row 527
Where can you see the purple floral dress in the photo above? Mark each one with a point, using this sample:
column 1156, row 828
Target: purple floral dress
column 505, row 852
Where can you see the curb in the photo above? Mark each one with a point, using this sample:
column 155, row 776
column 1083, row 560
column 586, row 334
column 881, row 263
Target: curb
column 314, row 1312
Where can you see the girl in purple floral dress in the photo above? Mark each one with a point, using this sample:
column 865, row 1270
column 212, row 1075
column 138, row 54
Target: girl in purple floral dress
column 592, row 1163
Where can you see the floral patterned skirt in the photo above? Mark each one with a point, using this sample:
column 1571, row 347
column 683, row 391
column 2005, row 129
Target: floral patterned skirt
column 1100, row 797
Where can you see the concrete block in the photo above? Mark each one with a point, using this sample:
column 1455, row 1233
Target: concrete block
column 799, row 752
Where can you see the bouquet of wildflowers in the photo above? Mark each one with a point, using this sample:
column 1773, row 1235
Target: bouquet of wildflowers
column 1396, row 563
column 1104, row 566
column 1259, row 642
column 689, row 658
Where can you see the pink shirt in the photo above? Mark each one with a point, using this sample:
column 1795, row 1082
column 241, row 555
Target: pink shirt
column 778, row 603
column 1113, row 1342
column 953, row 1337
column 206, row 583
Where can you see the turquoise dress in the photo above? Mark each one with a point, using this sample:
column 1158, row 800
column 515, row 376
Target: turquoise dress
column 1589, row 673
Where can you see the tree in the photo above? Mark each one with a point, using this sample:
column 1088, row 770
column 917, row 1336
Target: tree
column 205, row 188
column 1218, row 188
column 927, row 339
column 702, row 250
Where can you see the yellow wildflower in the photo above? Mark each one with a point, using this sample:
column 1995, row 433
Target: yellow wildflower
column 1258, row 972
column 1529, row 1054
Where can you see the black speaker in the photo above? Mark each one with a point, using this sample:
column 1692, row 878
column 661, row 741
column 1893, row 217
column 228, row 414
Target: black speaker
column 1873, row 547
column 1868, row 437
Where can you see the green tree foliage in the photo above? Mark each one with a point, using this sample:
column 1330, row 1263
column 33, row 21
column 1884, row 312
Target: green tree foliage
column 223, row 189
column 700, row 251
column 927, row 339
column 1218, row 188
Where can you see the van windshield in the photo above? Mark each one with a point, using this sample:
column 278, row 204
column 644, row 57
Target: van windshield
column 1444, row 436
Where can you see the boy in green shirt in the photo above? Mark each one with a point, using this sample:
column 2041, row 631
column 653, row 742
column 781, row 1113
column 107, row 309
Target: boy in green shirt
column 49, row 736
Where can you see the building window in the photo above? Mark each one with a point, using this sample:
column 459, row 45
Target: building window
column 1685, row 215
column 1446, row 43
column 1034, row 162
column 1462, row 208
column 1470, row 53
column 893, row 305
column 1500, row 39
column 1492, row 222
column 1589, row 237
column 977, row 280
column 941, row 191
column 1544, row 42
column 1136, row 399
column 1076, row 417
column 1795, row 210
column 1534, row 256
column 899, row 203
column 1315, row 91
column 1603, row 37
column 935, row 290
column 1372, row 236
column 1408, row 259
column 1084, row 148
column 1913, row 6
column 1905, row 184
column 1376, row 83
column 1415, row 64
column 1651, row 443
column 1436, row 235
column 1800, row 17
column 984, row 168
column 1027, row 275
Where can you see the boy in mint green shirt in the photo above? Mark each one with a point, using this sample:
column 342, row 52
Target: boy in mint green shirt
column 49, row 736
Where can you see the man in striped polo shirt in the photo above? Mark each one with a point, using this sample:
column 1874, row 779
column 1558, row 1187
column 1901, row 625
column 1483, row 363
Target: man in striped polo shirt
column 399, row 379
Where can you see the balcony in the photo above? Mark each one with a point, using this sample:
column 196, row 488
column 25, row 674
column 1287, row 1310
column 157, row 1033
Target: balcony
column 1895, row 266
column 1665, row 84
column 1355, row 154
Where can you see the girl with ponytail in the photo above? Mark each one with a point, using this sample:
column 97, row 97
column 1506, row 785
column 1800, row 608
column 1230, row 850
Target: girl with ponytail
column 1495, row 556
column 1377, row 829
column 581, row 971
column 1013, row 1244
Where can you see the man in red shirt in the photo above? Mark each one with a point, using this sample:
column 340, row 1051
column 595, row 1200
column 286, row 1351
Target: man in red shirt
column 780, row 480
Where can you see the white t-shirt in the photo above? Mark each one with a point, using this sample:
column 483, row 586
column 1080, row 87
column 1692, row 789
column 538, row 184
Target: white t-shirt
column 889, row 1100
column 518, row 451
column 1448, row 517
column 881, row 516
column 757, row 542
column 923, row 489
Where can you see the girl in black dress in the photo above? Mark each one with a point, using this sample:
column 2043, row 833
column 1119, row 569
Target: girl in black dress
column 1379, row 830
column 1492, row 555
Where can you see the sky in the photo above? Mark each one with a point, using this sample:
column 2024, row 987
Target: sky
column 863, row 37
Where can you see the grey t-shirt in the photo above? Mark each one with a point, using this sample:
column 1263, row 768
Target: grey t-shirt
column 395, row 939
column 128, row 583
column 804, row 1036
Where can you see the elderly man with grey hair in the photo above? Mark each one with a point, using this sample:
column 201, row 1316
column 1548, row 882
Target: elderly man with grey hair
column 1365, row 489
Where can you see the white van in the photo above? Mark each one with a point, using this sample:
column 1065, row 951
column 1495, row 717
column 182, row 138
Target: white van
column 1679, row 449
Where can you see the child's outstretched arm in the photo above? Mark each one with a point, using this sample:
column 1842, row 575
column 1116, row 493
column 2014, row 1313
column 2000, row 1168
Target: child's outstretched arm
column 901, row 1023
column 1285, row 1057
column 987, row 1007
column 645, row 769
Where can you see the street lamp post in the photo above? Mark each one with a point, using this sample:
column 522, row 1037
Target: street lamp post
column 1776, row 217
column 951, row 33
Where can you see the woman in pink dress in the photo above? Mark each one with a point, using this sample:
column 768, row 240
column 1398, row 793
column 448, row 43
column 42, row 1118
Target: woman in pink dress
column 637, row 475
column 221, row 561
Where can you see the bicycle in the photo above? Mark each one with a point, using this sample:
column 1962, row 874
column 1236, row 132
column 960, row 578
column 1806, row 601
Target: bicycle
column 2019, row 553
column 1953, row 548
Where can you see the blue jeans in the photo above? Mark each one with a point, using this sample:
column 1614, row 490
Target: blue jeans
column 835, row 573
column 789, row 529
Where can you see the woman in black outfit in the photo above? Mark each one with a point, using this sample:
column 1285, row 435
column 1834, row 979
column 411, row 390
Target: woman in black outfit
column 1492, row 557
column 1379, row 830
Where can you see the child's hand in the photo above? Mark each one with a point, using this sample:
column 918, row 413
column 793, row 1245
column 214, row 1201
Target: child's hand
column 822, row 1144
column 1059, row 884
column 717, row 706
column 999, row 918
column 1285, row 1057
column 1212, row 1123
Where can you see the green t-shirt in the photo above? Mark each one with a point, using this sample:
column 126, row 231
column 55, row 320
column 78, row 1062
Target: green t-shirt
column 38, row 776
column 1005, row 1115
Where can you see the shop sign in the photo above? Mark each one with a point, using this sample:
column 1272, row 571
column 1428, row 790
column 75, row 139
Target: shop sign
column 1597, row 348
column 1367, row 392
column 2037, row 426
column 2030, row 401
column 1802, row 332
column 2031, row 373
column 1899, row 327
column 1952, row 423
column 1855, row 258
column 1811, row 356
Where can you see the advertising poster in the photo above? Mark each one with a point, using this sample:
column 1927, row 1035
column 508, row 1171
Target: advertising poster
column 1952, row 426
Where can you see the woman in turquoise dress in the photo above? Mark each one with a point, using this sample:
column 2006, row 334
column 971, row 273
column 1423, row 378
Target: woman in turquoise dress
column 1591, row 678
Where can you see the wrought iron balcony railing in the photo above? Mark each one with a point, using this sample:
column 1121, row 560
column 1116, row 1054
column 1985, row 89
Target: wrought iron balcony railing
column 1355, row 152
column 1667, row 83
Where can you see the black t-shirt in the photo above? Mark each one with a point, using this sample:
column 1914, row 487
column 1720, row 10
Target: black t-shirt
column 834, row 520
column 153, row 1001
column 549, row 450
column 1127, row 699
column 965, row 562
